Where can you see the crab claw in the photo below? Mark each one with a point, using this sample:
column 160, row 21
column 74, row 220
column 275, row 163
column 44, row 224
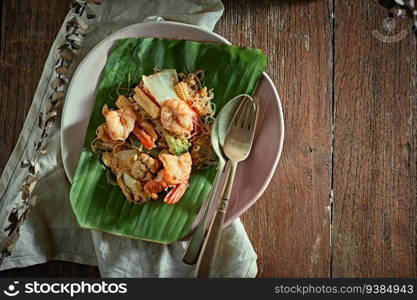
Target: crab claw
column 176, row 193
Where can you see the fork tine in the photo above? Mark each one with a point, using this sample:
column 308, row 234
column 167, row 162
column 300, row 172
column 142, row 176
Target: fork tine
column 237, row 114
column 246, row 113
column 254, row 118
column 250, row 118
column 256, row 114
column 240, row 113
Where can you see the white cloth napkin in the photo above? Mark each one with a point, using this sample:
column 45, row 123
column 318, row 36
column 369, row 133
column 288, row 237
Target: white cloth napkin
column 51, row 231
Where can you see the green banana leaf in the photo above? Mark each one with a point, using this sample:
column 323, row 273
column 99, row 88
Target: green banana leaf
column 229, row 70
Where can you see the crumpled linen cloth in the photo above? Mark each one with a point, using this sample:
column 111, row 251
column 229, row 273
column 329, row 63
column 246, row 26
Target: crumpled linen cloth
column 51, row 231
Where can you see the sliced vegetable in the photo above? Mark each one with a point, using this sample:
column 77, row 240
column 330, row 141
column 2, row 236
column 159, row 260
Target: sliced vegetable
column 153, row 153
column 176, row 145
column 161, row 85
column 131, row 188
column 144, row 138
column 181, row 89
column 147, row 104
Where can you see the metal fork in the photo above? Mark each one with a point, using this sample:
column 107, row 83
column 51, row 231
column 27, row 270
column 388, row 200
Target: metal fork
column 236, row 148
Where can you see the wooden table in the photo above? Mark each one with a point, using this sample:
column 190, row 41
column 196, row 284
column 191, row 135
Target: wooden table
column 343, row 201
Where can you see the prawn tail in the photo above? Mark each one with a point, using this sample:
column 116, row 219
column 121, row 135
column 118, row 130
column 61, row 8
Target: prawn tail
column 175, row 195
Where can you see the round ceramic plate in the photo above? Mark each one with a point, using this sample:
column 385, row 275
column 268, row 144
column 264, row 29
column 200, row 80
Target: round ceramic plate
column 253, row 175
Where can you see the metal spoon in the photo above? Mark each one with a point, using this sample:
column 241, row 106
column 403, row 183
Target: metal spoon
column 218, row 135
column 236, row 148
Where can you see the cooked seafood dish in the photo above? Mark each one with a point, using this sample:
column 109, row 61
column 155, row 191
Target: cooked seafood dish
column 156, row 134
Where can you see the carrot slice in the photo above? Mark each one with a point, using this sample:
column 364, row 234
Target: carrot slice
column 144, row 138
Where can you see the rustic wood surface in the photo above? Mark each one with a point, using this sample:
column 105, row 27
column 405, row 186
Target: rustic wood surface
column 297, row 38
column 343, row 202
column 374, row 230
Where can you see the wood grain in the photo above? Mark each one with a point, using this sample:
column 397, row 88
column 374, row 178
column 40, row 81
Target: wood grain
column 296, row 36
column 374, row 219
column 28, row 29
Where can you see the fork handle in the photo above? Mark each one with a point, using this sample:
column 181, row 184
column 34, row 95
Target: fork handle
column 194, row 244
column 205, row 263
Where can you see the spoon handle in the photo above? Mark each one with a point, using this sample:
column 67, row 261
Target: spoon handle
column 194, row 245
column 208, row 253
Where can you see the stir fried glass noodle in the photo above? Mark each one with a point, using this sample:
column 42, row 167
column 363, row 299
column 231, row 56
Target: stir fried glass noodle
column 156, row 134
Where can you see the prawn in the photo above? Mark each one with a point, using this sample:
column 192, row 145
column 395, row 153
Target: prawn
column 104, row 136
column 175, row 195
column 175, row 173
column 177, row 117
column 120, row 122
